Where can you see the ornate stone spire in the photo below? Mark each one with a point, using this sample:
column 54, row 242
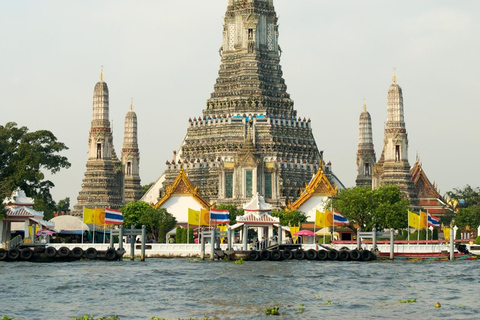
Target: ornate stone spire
column 393, row 166
column 250, row 75
column 102, row 185
column 131, row 158
column 366, row 152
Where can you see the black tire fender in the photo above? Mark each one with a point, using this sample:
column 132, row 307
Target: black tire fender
column 3, row 254
column 276, row 255
column 26, row 254
column 343, row 255
column 77, row 253
column 110, row 254
column 322, row 255
column 287, row 254
column 355, row 255
column 311, row 254
column 91, row 253
column 13, row 254
column 299, row 254
column 63, row 252
column 265, row 255
column 332, row 254
column 50, row 252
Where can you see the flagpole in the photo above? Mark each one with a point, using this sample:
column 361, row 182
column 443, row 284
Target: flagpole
column 427, row 226
column 419, row 225
column 333, row 221
column 83, row 219
column 314, row 235
column 408, row 227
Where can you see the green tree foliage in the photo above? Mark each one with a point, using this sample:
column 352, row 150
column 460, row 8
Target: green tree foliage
column 381, row 208
column 157, row 221
column 468, row 208
column 63, row 205
column 23, row 156
column 290, row 218
column 233, row 210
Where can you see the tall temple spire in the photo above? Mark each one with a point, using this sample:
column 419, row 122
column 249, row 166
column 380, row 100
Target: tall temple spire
column 102, row 185
column 366, row 152
column 249, row 138
column 393, row 166
column 131, row 158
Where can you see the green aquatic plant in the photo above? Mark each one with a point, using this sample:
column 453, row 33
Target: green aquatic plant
column 408, row 301
column 272, row 311
column 239, row 261
column 301, row 309
column 91, row 317
column 317, row 296
column 155, row 318
column 329, row 303
column 7, row 318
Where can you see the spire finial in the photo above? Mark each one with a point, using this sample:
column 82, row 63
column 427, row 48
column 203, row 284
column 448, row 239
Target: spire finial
column 101, row 74
column 131, row 104
column 394, row 78
column 364, row 105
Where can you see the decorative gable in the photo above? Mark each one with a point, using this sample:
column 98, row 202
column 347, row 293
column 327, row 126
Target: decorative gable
column 318, row 186
column 182, row 187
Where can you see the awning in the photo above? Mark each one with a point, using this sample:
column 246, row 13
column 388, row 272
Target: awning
column 236, row 226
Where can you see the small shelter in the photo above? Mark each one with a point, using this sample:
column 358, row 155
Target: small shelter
column 181, row 196
column 257, row 215
column 20, row 216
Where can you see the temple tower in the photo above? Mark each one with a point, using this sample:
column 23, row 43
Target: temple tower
column 102, row 185
column 249, row 138
column 366, row 152
column 393, row 166
column 131, row 159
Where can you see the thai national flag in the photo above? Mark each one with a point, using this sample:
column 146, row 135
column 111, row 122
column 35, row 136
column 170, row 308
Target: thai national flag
column 113, row 216
column 433, row 221
column 219, row 216
column 339, row 219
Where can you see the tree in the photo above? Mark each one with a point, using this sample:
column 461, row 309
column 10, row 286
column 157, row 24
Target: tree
column 290, row 218
column 23, row 156
column 157, row 221
column 467, row 208
column 63, row 205
column 233, row 210
column 381, row 208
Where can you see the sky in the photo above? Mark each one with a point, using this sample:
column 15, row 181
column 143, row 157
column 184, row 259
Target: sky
column 163, row 54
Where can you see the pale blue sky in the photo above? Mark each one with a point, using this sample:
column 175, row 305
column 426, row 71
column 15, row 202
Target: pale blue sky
column 164, row 55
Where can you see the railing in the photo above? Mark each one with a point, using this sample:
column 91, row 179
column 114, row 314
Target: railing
column 15, row 242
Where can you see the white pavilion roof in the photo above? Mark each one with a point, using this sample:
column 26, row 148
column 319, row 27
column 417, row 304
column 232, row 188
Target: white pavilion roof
column 257, row 204
column 19, row 198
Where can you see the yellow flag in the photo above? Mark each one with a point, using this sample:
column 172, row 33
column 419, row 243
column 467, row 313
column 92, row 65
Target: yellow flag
column 294, row 230
column 324, row 219
column 88, row 215
column 193, row 217
column 413, row 220
column 423, row 220
column 99, row 216
column 446, row 233
column 204, row 217
column 222, row 228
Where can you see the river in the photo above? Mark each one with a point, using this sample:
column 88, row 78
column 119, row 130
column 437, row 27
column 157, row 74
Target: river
column 184, row 288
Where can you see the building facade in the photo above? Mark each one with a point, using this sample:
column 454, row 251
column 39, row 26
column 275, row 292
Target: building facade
column 366, row 153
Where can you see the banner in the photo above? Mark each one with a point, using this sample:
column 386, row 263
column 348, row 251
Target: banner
column 413, row 220
column 423, row 220
column 204, row 217
column 219, row 216
column 99, row 216
column 88, row 215
column 193, row 217
column 338, row 218
column 324, row 219
column 433, row 221
column 294, row 230
column 446, row 233
column 113, row 216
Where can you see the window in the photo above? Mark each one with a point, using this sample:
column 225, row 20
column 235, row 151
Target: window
column 268, row 185
column 367, row 169
column 248, row 183
column 397, row 153
column 228, row 185
column 99, row 151
column 129, row 168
